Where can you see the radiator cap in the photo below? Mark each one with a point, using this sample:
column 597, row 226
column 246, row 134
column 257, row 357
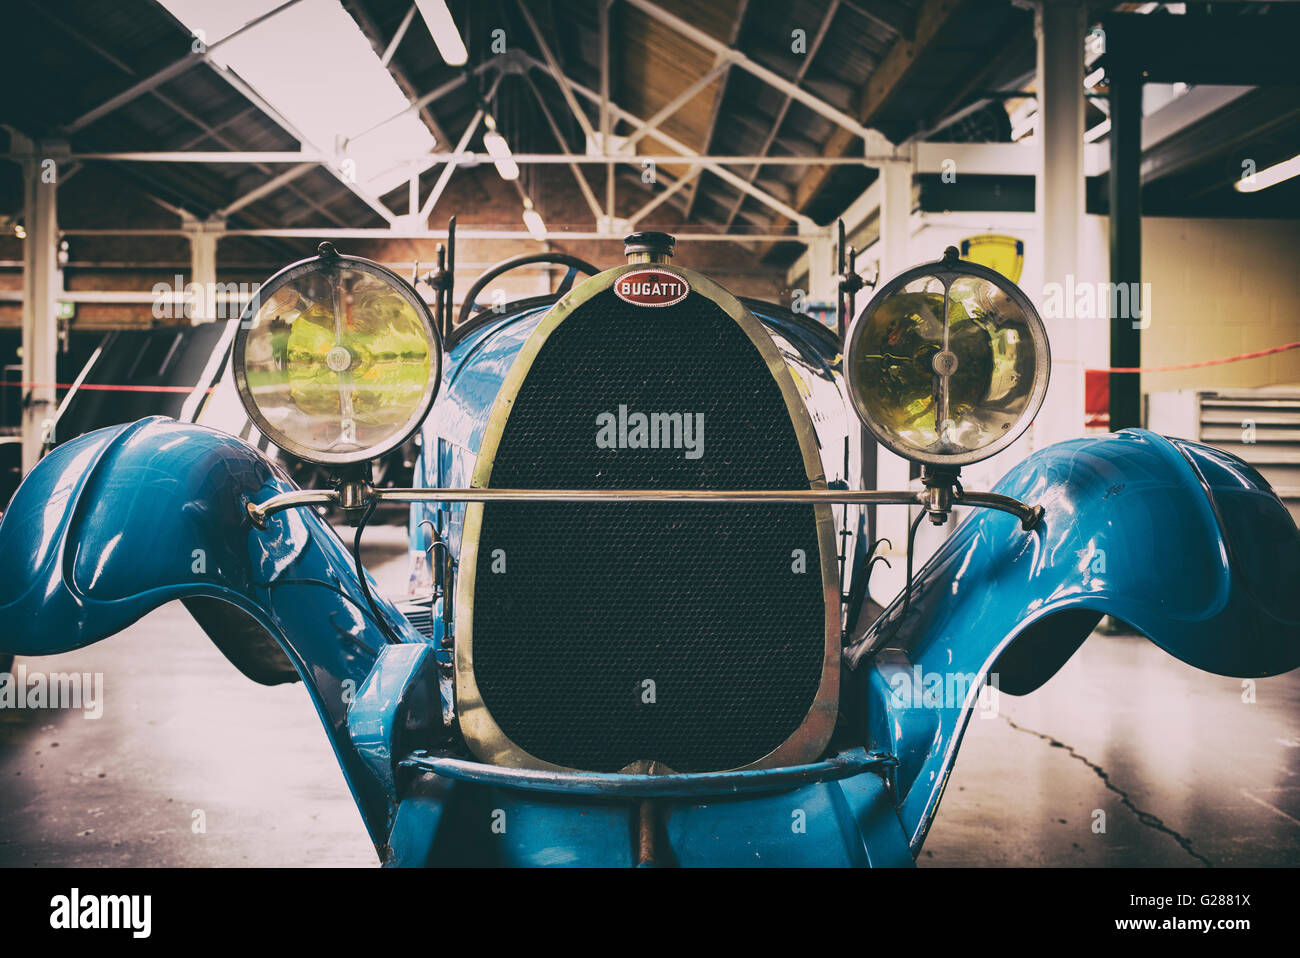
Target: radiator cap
column 649, row 247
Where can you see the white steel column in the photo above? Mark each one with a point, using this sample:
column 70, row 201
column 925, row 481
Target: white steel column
column 41, row 286
column 1059, row 202
column 203, row 238
column 822, row 288
column 895, row 215
column 895, row 256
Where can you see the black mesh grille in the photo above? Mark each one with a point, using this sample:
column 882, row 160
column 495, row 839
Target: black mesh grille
column 598, row 598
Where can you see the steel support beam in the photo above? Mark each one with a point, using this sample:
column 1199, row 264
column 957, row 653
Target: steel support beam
column 168, row 73
column 402, row 27
column 402, row 230
column 281, row 121
column 206, row 130
column 1222, row 48
column 437, row 93
column 1060, row 27
column 270, row 186
column 675, row 104
column 822, row 288
column 895, row 213
column 360, row 13
column 831, row 9
column 1124, row 186
column 881, row 87
column 203, row 237
column 664, row 197
column 566, row 86
column 579, row 177
column 41, row 286
column 895, row 256
column 996, row 152
column 770, row 77
column 445, row 176
column 742, row 9
column 606, row 122
column 806, row 225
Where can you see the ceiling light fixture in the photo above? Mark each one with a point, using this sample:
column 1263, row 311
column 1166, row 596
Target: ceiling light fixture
column 533, row 220
column 1272, row 176
column 443, row 30
column 270, row 59
column 499, row 150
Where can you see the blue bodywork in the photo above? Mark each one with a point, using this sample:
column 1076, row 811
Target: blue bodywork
column 1186, row 543
column 115, row 523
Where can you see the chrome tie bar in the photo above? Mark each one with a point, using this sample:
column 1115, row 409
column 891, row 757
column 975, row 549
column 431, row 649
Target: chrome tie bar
column 358, row 495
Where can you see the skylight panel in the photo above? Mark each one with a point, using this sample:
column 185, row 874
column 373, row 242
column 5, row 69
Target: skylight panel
column 313, row 64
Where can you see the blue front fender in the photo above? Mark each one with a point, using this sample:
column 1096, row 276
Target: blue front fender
column 1185, row 543
column 119, row 521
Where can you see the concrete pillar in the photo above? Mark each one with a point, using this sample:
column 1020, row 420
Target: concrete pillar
column 203, row 237
column 895, row 218
column 41, row 287
column 822, row 287
column 1059, row 201
column 1124, row 186
column 891, row 470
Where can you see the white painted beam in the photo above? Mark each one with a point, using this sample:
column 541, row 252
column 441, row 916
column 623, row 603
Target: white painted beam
column 170, row 72
column 770, row 77
column 1059, row 26
column 41, row 286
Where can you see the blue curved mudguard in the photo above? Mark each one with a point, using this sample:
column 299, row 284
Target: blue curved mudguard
column 115, row 523
column 1186, row 543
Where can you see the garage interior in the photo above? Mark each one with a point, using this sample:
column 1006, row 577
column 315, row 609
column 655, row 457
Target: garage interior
column 166, row 156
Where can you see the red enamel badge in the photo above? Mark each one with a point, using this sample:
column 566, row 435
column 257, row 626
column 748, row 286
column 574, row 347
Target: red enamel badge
column 650, row 287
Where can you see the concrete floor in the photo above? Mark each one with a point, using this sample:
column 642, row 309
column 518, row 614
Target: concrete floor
column 1185, row 772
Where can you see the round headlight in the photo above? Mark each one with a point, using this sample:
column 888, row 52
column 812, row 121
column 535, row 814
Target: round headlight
column 337, row 359
column 948, row 363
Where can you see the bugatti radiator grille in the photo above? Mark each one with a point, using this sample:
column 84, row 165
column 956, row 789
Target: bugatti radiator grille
column 687, row 634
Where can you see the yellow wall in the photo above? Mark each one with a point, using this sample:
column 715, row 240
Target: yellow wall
column 1221, row 288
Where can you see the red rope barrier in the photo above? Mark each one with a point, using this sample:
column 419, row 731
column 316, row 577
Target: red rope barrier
column 1206, row 362
column 1107, row 369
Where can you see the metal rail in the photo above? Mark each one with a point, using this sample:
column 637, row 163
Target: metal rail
column 1029, row 516
column 667, row 785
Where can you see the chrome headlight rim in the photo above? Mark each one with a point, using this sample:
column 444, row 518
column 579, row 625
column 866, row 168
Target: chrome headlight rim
column 322, row 262
column 948, row 270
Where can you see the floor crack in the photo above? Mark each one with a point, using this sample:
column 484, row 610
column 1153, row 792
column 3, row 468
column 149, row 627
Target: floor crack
column 1146, row 818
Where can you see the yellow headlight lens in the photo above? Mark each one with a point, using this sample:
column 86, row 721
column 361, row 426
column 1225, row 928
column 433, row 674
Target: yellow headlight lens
column 339, row 361
column 948, row 363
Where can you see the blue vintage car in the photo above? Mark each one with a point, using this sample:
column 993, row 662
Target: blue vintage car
column 641, row 543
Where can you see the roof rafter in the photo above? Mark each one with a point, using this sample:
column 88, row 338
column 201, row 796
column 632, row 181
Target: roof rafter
column 169, row 72
column 677, row 146
column 580, row 177
column 881, row 87
column 207, row 130
column 716, row 111
column 831, row 9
